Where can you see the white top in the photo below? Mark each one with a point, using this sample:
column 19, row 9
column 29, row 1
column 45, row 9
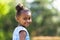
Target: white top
column 16, row 33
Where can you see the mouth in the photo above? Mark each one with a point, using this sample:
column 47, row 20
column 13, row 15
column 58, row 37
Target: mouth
column 27, row 24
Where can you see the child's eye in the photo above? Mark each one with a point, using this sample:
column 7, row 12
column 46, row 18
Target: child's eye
column 29, row 18
column 25, row 18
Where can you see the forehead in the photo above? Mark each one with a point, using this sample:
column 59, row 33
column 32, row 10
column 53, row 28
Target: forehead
column 26, row 14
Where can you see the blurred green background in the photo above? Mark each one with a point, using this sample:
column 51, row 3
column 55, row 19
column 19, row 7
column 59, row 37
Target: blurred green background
column 45, row 16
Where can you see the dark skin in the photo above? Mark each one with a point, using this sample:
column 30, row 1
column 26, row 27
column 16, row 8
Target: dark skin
column 22, row 35
column 24, row 19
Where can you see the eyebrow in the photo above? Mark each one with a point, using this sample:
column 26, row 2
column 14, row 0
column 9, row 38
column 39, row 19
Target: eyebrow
column 28, row 16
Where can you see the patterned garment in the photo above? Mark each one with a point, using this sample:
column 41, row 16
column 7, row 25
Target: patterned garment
column 16, row 33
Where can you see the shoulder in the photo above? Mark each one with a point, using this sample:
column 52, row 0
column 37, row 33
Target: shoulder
column 19, row 28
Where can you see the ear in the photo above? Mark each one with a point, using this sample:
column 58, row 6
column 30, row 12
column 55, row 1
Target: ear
column 17, row 19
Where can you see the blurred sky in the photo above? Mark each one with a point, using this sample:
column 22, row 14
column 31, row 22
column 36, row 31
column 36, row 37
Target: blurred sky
column 55, row 4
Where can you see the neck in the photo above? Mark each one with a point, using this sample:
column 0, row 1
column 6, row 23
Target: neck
column 21, row 25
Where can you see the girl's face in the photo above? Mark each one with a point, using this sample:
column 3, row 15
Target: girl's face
column 25, row 19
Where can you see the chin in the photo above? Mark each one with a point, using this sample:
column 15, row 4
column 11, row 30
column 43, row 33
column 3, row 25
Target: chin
column 27, row 25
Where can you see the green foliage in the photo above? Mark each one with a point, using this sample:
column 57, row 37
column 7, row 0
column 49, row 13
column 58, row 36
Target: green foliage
column 5, row 8
column 45, row 21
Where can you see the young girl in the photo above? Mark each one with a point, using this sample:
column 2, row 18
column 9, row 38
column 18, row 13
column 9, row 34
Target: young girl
column 23, row 17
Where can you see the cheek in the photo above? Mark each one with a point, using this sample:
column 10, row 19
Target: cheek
column 31, row 20
column 21, row 21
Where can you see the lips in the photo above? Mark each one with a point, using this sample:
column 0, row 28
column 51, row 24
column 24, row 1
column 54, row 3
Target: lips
column 27, row 24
